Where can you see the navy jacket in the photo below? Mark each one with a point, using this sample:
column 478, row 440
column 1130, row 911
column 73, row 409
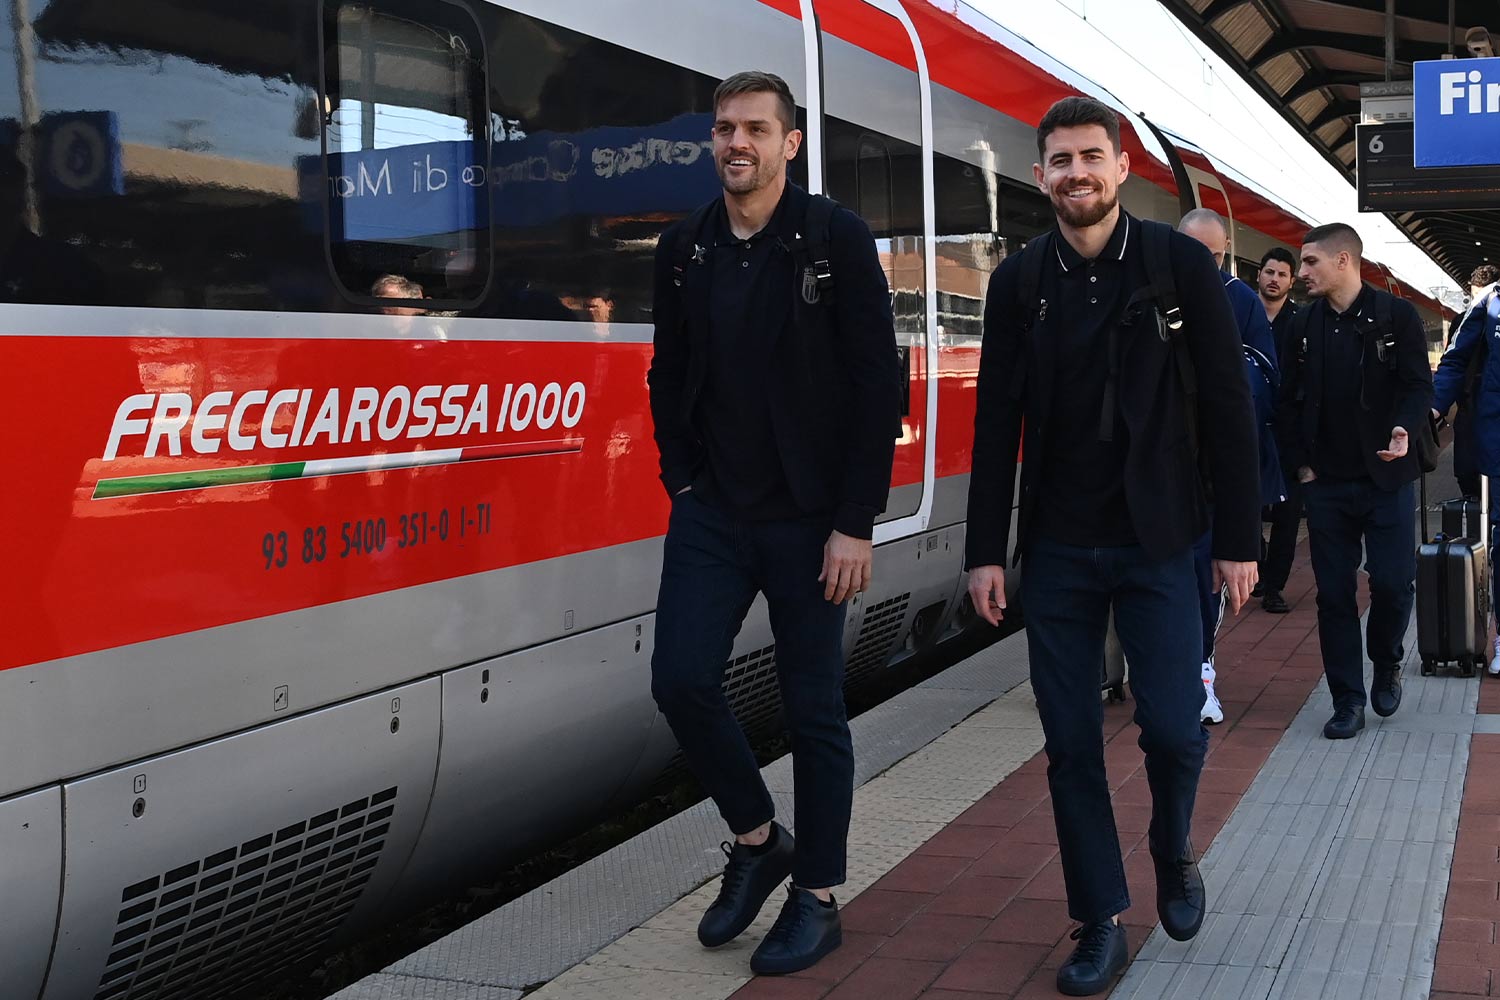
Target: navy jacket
column 1163, row 485
column 836, row 394
column 1261, row 363
column 1479, row 326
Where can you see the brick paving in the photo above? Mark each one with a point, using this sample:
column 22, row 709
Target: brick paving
column 977, row 911
column 1468, row 955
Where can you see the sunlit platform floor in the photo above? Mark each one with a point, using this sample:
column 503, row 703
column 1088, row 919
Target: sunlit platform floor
column 1363, row 868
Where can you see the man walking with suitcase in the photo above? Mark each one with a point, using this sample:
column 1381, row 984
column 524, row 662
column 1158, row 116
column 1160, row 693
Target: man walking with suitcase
column 1111, row 341
column 1355, row 390
column 1469, row 376
column 776, row 395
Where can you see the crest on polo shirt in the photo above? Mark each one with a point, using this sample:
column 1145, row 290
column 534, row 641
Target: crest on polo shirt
column 811, row 293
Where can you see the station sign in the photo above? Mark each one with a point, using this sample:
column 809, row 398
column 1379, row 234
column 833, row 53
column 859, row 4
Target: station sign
column 1388, row 180
column 1457, row 113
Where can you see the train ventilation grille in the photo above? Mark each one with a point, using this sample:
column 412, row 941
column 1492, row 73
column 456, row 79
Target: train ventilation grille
column 877, row 637
column 210, row 928
column 750, row 685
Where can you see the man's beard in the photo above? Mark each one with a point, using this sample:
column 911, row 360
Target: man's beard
column 761, row 175
column 1084, row 215
column 1276, row 298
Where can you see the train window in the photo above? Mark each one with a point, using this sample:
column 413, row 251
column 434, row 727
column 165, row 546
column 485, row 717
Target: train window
column 872, row 145
column 982, row 217
column 406, row 132
column 872, row 183
column 599, row 145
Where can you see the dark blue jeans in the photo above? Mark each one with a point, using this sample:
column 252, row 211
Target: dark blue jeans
column 1276, row 567
column 1342, row 516
column 1067, row 593
column 712, row 567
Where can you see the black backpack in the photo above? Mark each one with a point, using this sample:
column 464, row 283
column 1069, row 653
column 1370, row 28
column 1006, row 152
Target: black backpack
column 1160, row 289
column 809, row 248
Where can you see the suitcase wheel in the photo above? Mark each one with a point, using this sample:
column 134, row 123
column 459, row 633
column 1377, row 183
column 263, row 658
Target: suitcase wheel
column 1117, row 693
column 1428, row 668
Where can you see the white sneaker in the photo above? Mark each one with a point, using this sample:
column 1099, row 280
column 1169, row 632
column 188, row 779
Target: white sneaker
column 1213, row 712
column 1495, row 663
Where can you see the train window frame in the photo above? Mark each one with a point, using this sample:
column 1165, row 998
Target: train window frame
column 473, row 34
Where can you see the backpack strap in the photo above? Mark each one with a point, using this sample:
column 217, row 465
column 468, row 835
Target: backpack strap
column 810, row 247
column 1297, row 341
column 686, row 249
column 1033, row 257
column 1385, row 330
column 1477, row 360
column 1155, row 241
column 1028, row 296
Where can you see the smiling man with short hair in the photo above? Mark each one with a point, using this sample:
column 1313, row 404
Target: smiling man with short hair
column 776, row 405
column 1083, row 352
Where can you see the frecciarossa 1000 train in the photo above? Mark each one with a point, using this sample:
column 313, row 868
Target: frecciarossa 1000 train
column 315, row 600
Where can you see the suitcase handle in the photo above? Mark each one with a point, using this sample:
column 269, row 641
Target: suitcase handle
column 1484, row 509
column 1422, row 521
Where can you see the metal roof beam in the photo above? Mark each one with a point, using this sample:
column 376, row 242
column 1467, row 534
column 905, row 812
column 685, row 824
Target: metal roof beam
column 1315, row 79
column 1364, row 45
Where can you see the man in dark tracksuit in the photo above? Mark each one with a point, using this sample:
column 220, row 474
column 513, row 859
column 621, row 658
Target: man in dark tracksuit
column 1469, row 376
column 1209, row 228
column 776, row 394
column 1111, row 503
column 1346, row 412
column 1274, row 283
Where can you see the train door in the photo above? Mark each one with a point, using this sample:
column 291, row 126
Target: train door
column 875, row 150
column 1211, row 194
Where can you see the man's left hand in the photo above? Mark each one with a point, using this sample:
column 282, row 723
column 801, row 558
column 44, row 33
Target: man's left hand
column 846, row 567
column 1239, row 577
column 1397, row 448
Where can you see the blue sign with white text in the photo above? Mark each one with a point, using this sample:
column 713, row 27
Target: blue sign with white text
column 1457, row 112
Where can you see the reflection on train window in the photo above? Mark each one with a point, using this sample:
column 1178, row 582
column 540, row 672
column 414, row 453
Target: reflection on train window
column 597, row 149
column 873, row 194
column 982, row 217
column 407, row 138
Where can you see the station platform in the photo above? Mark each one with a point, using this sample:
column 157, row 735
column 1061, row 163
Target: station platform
column 1362, row 868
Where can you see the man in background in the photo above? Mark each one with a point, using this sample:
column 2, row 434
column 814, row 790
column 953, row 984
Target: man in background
column 1274, row 284
column 1254, row 331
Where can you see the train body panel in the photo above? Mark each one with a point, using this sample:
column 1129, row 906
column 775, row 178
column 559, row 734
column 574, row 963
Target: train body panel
column 282, row 554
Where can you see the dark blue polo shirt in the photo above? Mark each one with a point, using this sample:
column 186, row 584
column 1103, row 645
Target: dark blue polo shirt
column 1340, row 455
column 744, row 474
column 1082, row 500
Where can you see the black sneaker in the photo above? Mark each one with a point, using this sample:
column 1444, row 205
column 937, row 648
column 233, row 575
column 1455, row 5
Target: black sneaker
column 1274, row 603
column 1100, row 956
column 1180, row 898
column 805, row 931
column 1385, row 690
column 749, row 877
column 1346, row 723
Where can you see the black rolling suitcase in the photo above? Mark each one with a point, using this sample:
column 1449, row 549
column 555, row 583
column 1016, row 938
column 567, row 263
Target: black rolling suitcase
column 1453, row 588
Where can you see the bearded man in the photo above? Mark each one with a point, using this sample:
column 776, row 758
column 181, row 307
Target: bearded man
column 1088, row 350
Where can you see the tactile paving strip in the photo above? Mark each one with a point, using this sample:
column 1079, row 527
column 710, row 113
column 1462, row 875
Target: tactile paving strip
column 1328, row 880
column 605, row 902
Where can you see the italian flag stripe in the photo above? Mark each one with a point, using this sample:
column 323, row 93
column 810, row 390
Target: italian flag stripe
column 244, row 475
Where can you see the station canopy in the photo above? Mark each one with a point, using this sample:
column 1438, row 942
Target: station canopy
column 1308, row 59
